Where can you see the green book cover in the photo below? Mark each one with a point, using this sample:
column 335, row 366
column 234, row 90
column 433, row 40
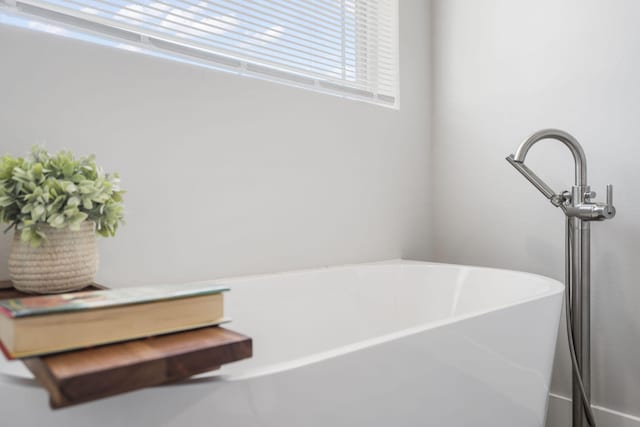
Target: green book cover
column 87, row 300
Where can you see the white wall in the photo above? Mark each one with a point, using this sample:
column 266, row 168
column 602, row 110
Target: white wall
column 227, row 175
column 503, row 69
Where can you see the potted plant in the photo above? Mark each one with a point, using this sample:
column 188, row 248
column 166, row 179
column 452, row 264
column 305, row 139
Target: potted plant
column 56, row 204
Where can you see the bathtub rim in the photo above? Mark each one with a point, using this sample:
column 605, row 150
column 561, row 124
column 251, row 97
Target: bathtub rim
column 555, row 288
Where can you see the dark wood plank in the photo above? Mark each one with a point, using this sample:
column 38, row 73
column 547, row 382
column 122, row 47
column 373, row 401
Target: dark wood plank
column 89, row 374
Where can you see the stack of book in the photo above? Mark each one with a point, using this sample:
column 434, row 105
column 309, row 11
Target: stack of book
column 39, row 325
column 88, row 345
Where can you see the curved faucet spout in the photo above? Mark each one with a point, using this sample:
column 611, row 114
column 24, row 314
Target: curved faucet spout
column 566, row 139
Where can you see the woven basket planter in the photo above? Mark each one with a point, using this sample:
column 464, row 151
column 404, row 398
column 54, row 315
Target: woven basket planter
column 66, row 261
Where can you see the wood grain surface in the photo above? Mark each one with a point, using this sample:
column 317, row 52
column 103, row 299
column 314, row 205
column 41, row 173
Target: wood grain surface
column 89, row 374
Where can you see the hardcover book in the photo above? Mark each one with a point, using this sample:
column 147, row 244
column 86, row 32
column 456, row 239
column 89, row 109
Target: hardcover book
column 52, row 323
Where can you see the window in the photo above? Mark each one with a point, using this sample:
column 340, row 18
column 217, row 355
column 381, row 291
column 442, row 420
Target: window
column 346, row 47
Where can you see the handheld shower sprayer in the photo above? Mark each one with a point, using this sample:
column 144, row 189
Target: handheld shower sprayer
column 534, row 179
column 580, row 210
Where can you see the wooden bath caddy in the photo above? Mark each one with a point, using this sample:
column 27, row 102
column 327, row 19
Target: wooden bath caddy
column 89, row 374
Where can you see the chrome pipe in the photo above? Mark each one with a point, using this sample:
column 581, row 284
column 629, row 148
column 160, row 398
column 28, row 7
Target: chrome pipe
column 585, row 315
column 580, row 315
column 578, row 386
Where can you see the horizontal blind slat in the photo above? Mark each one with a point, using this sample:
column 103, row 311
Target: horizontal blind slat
column 317, row 28
column 248, row 45
column 351, row 44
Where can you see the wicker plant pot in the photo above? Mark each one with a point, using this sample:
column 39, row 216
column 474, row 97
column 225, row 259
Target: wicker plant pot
column 66, row 261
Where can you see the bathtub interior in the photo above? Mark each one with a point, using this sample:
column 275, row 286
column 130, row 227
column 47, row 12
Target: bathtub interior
column 293, row 316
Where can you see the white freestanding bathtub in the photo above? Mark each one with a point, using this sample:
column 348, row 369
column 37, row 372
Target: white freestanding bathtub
column 399, row 343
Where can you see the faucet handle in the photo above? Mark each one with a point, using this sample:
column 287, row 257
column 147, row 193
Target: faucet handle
column 607, row 211
column 589, row 210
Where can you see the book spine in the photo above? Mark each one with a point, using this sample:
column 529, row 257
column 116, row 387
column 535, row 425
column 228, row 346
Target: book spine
column 6, row 312
column 5, row 352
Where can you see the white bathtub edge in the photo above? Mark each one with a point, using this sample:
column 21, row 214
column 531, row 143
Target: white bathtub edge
column 559, row 286
column 339, row 351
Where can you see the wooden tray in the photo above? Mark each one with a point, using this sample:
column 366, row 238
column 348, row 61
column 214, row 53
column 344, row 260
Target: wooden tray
column 84, row 375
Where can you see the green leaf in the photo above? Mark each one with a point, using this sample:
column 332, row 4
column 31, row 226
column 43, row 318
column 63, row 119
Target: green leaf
column 37, row 170
column 69, row 187
column 38, row 212
column 73, row 201
column 76, row 220
column 6, row 201
column 56, row 220
column 56, row 205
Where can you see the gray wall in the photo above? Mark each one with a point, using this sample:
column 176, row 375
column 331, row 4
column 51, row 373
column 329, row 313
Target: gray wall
column 228, row 175
column 503, row 69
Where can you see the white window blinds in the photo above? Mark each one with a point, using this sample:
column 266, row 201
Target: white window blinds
column 344, row 46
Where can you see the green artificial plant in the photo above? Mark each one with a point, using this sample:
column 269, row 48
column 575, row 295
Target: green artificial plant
column 58, row 190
